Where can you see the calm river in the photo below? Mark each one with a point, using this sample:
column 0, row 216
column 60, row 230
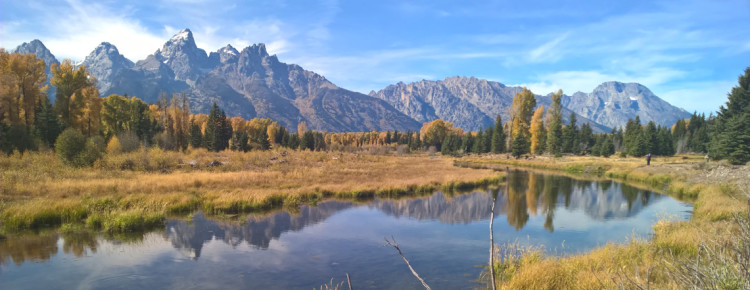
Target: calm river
column 446, row 239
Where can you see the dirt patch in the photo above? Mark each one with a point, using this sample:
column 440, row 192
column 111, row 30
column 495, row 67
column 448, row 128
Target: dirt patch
column 720, row 173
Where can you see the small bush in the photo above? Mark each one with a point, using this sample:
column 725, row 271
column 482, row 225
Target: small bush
column 113, row 146
column 128, row 141
column 69, row 145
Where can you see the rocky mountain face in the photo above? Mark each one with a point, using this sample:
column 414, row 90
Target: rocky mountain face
column 613, row 103
column 106, row 64
column 469, row 103
column 251, row 83
column 37, row 47
column 248, row 83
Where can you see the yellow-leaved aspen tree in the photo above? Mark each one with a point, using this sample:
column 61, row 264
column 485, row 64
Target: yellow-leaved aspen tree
column 538, row 133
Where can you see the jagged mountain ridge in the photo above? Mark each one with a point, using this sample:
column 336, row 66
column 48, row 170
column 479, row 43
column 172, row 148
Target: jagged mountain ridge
column 613, row 103
column 468, row 102
column 251, row 83
column 248, row 83
column 37, row 47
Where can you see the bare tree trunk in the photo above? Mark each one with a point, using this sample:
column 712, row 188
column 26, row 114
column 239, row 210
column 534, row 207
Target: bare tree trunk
column 394, row 244
column 492, row 242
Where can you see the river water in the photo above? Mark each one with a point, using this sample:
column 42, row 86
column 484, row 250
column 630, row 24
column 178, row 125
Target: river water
column 445, row 237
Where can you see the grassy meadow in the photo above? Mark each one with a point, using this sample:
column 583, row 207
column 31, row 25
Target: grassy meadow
column 708, row 251
column 138, row 190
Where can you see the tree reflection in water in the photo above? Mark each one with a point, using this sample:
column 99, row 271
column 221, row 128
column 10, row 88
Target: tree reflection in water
column 526, row 195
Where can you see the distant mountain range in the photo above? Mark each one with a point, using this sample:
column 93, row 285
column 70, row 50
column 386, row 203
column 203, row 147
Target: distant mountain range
column 251, row 83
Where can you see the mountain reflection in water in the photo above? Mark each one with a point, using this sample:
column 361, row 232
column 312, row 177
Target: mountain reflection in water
column 528, row 194
column 445, row 234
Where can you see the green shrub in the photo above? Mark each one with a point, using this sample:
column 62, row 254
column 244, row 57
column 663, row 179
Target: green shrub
column 69, row 145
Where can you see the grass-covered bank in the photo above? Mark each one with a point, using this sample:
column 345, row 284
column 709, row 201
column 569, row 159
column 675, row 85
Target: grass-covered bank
column 719, row 194
column 137, row 190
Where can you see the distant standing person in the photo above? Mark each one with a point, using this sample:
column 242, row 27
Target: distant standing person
column 648, row 159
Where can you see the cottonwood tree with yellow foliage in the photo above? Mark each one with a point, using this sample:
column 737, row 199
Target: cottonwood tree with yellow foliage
column 70, row 81
column 520, row 115
column 21, row 91
column 538, row 133
column 433, row 133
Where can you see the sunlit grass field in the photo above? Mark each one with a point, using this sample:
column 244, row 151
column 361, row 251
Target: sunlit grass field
column 129, row 191
column 720, row 210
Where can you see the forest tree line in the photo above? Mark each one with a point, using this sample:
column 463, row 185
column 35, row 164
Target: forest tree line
column 81, row 126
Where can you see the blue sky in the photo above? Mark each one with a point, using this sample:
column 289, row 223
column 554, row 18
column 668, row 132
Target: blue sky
column 688, row 52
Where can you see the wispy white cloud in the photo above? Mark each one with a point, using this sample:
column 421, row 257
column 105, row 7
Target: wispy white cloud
column 549, row 51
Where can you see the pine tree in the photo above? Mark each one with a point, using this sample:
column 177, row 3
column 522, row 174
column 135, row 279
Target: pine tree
column 596, row 149
column 586, row 139
column 519, row 146
column 446, row 148
column 487, row 140
column 633, row 132
column 209, row 138
column 554, row 123
column 731, row 134
column 498, row 136
column 570, row 136
column 46, row 124
column 651, row 138
column 478, row 144
column 666, row 146
column 196, row 136
column 608, row 147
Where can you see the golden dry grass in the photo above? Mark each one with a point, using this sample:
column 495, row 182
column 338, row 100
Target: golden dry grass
column 38, row 190
column 640, row 263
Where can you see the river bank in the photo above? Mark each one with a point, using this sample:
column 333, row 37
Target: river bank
column 718, row 192
column 137, row 190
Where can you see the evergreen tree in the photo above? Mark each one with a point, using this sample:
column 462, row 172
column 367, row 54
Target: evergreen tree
column 498, row 136
column 218, row 130
column 479, row 145
column 596, row 149
column 447, row 142
column 616, row 138
column 224, row 128
column 641, row 146
column 262, row 140
column 467, row 143
column 307, row 141
column 210, row 136
column 633, row 132
column 487, row 139
column 196, row 136
column 650, row 136
column 519, row 146
column 46, row 124
column 570, row 136
column 680, row 136
column 731, row 133
column 666, row 146
column 586, row 139
column 608, row 147
column 554, row 123
column 240, row 141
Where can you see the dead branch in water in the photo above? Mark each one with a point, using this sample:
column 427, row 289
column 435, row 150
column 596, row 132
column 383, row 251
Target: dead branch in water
column 492, row 242
column 394, row 244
